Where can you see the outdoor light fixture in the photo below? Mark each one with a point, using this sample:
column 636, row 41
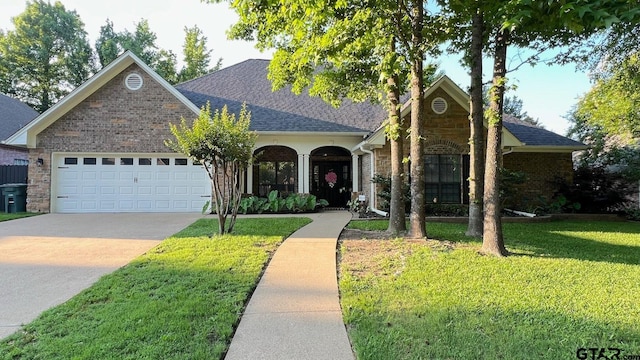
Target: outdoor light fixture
column 40, row 162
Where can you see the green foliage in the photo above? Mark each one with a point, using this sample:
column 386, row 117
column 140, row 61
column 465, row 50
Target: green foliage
column 293, row 203
column 46, row 56
column 224, row 145
column 541, row 303
column 180, row 300
column 633, row 214
column 437, row 209
column 612, row 103
column 142, row 42
column 385, row 192
column 509, row 185
column 594, row 190
column 196, row 55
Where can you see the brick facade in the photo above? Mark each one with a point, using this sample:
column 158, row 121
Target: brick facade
column 541, row 170
column 448, row 133
column 9, row 154
column 114, row 119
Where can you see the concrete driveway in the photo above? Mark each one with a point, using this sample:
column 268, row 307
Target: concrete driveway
column 47, row 259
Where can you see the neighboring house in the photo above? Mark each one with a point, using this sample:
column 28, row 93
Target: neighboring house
column 14, row 114
column 101, row 148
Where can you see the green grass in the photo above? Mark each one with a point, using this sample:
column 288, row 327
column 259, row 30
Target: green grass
column 569, row 285
column 181, row 300
column 11, row 216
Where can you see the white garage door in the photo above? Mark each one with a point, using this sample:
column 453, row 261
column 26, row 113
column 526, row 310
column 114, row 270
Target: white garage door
column 128, row 183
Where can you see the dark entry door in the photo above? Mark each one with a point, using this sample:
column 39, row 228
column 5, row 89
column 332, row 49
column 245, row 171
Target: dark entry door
column 331, row 180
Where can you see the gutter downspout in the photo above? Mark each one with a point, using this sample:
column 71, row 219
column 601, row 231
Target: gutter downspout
column 372, row 188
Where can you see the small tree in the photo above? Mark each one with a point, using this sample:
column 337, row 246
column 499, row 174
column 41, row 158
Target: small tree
column 224, row 146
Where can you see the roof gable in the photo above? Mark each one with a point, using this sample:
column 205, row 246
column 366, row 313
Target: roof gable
column 27, row 135
column 14, row 114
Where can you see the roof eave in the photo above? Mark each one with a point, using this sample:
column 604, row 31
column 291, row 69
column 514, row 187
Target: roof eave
column 315, row 133
column 550, row 148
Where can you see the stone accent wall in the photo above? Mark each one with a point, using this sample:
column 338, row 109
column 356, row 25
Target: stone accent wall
column 113, row 119
column 365, row 174
column 8, row 154
column 541, row 169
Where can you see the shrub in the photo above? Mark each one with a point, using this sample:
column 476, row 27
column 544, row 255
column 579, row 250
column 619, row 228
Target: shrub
column 385, row 192
column 594, row 190
column 293, row 203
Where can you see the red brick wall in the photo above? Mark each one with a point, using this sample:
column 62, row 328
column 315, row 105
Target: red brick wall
column 541, row 169
column 448, row 133
column 113, row 119
column 9, row 154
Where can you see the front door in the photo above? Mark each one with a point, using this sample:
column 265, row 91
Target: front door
column 331, row 180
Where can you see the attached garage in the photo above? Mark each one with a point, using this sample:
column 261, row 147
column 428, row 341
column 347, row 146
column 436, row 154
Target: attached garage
column 104, row 182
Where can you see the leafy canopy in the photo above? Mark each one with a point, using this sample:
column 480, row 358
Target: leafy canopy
column 46, row 56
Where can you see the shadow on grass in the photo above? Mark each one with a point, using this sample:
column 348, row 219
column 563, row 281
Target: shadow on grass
column 591, row 241
column 486, row 333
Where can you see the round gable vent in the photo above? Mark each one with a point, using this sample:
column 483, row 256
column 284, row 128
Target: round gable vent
column 133, row 81
column 439, row 105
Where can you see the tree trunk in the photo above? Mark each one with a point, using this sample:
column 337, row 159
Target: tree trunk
column 418, row 223
column 476, row 137
column 397, row 223
column 492, row 240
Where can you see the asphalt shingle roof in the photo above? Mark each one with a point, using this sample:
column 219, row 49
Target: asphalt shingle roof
column 283, row 111
column 14, row 114
column 533, row 135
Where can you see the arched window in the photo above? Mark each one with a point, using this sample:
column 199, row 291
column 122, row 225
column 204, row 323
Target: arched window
column 275, row 168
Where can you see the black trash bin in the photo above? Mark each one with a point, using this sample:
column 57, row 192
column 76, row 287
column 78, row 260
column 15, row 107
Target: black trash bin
column 14, row 197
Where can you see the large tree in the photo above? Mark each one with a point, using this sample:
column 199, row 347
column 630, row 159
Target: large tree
column 142, row 42
column 46, row 56
column 538, row 25
column 223, row 144
column 335, row 53
column 333, row 49
column 196, row 55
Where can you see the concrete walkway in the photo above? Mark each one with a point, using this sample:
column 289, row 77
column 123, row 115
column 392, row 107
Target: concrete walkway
column 295, row 312
column 47, row 259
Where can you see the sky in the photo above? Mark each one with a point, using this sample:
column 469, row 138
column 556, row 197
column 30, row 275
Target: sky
column 548, row 92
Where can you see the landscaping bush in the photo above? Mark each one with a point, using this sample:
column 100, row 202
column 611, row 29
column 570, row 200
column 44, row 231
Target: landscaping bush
column 385, row 193
column 273, row 203
column 594, row 190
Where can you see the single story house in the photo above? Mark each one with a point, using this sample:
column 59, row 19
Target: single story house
column 14, row 114
column 101, row 148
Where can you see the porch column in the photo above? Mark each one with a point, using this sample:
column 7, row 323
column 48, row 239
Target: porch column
column 303, row 169
column 249, row 184
column 355, row 173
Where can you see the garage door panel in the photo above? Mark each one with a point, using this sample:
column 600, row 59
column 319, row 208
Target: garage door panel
column 128, row 183
column 87, row 205
column 107, row 205
column 89, row 175
column 89, row 190
column 180, row 176
column 107, row 175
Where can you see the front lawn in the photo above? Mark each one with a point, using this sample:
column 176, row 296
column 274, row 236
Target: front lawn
column 181, row 300
column 569, row 286
column 10, row 216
